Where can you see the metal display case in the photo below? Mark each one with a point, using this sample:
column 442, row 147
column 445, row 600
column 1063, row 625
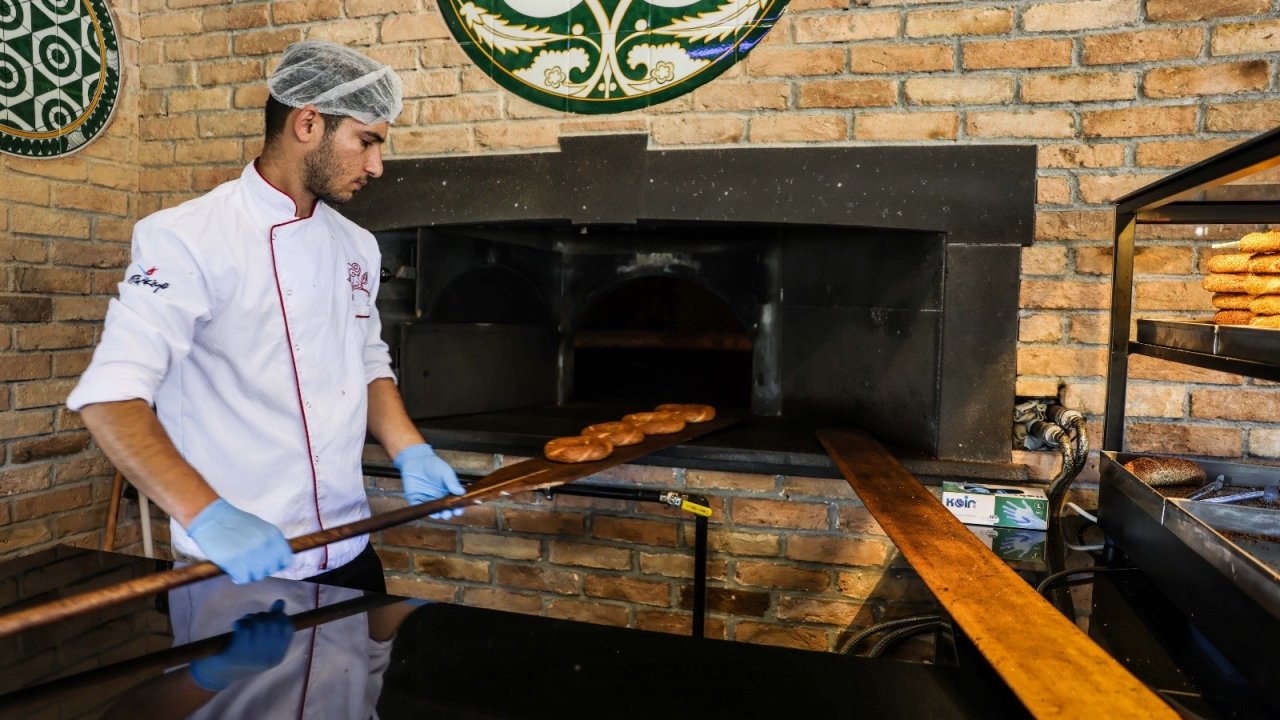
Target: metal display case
column 1205, row 193
column 1218, row 564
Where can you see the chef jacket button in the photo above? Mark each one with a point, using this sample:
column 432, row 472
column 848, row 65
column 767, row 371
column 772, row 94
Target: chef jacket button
column 297, row 347
column 308, row 404
column 317, row 458
column 288, row 292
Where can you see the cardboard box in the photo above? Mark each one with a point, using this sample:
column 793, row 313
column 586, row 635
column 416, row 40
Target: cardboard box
column 1012, row 544
column 979, row 503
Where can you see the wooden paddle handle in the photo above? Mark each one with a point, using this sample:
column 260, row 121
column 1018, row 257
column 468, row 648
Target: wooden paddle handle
column 72, row 605
column 113, row 509
column 532, row 474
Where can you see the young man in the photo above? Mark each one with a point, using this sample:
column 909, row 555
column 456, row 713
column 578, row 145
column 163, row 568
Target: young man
column 247, row 320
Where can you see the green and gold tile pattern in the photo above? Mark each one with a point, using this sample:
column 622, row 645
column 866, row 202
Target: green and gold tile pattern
column 59, row 75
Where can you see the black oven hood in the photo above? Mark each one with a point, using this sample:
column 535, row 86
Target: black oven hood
column 867, row 286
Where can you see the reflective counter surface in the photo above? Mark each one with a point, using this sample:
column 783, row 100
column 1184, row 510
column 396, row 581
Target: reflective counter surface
column 330, row 652
column 297, row 649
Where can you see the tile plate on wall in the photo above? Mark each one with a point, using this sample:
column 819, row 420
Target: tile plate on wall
column 59, row 75
column 607, row 56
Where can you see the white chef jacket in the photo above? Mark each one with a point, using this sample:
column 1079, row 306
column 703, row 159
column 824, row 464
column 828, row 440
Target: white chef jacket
column 255, row 336
column 330, row 671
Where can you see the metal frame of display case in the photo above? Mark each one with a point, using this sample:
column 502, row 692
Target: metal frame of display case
column 1169, row 202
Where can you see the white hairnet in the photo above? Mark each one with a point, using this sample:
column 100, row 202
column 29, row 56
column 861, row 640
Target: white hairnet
column 337, row 81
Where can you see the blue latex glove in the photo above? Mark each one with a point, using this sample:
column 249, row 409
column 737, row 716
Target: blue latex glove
column 245, row 546
column 426, row 477
column 258, row 643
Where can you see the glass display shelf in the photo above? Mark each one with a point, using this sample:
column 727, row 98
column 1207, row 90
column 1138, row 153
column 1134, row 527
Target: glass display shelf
column 1241, row 186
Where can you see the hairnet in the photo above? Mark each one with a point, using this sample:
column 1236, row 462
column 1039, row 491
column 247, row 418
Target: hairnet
column 337, row 81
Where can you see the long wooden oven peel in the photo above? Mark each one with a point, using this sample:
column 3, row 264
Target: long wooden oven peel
column 1048, row 662
column 532, row 474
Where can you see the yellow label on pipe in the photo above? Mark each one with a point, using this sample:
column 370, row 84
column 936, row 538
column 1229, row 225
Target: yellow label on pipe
column 695, row 508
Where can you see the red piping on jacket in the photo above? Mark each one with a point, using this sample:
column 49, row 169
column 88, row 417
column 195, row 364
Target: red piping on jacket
column 293, row 361
column 311, row 656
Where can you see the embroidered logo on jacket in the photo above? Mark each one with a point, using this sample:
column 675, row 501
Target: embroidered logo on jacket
column 144, row 279
column 360, row 296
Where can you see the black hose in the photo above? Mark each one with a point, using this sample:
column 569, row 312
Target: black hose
column 870, row 630
column 1080, row 432
column 1055, row 545
column 1061, row 482
column 903, row 633
column 1052, row 579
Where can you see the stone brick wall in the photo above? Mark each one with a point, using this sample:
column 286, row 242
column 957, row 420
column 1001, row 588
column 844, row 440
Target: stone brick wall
column 1113, row 93
column 91, row 640
column 793, row 561
column 64, row 234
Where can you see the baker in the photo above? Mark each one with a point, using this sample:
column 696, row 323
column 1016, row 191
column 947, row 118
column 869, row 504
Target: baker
column 246, row 319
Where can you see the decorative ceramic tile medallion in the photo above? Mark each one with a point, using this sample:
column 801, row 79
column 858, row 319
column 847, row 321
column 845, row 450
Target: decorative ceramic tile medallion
column 59, row 75
column 605, row 56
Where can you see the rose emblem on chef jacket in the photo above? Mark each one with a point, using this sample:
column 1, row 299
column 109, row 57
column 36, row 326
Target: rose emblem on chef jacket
column 605, row 56
column 360, row 297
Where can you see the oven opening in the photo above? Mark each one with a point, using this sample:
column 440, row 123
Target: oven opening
column 662, row 339
column 527, row 295
column 490, row 295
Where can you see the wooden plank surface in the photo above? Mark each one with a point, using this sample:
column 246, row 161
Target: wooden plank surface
column 1048, row 662
column 532, row 474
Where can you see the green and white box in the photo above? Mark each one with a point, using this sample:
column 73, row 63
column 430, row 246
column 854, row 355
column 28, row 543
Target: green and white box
column 1015, row 545
column 977, row 503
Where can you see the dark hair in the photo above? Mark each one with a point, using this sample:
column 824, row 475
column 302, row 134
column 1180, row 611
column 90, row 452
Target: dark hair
column 277, row 113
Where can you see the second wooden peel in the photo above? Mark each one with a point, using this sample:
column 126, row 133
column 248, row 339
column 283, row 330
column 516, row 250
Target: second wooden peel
column 1048, row 662
column 533, row 474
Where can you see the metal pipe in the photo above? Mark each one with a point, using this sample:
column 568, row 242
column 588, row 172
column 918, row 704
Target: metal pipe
column 699, row 573
column 606, row 491
column 699, row 537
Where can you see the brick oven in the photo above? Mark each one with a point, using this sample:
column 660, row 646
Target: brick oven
column 526, row 295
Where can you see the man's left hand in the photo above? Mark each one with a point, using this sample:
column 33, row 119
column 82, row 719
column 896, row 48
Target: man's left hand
column 426, row 477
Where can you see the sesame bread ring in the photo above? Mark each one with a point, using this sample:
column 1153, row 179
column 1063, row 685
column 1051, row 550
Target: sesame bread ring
column 1164, row 471
column 618, row 433
column 1268, row 284
column 1264, row 263
column 1225, row 282
column 1229, row 263
column 1265, row 305
column 577, row 449
column 690, row 413
column 1232, row 301
column 655, row 423
column 1260, row 242
column 1232, row 317
column 1265, row 321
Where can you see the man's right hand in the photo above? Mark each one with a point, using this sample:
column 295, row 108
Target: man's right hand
column 244, row 545
column 259, row 643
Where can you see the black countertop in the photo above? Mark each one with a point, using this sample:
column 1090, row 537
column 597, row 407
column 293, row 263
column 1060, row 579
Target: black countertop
column 351, row 653
column 442, row 661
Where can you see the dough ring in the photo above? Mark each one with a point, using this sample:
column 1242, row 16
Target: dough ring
column 690, row 413
column 578, row 449
column 618, row 433
column 655, row 423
